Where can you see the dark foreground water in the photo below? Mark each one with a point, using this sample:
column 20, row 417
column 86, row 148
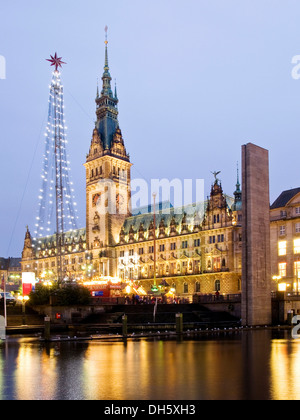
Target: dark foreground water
column 254, row 365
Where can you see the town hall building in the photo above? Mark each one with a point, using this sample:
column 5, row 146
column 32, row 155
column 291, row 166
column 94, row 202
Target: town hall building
column 196, row 249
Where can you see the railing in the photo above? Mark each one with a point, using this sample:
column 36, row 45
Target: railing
column 183, row 273
column 107, row 301
column 209, row 298
column 285, row 295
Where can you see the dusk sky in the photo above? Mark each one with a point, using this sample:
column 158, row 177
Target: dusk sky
column 196, row 80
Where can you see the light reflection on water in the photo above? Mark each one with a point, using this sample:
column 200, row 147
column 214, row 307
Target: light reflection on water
column 254, row 365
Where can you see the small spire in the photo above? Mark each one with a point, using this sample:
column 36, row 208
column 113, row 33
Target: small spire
column 97, row 88
column 237, row 193
column 238, row 178
column 116, row 94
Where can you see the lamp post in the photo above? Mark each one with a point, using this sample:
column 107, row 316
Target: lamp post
column 154, row 239
column 23, row 300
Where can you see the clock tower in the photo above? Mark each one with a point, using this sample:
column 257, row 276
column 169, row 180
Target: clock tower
column 108, row 176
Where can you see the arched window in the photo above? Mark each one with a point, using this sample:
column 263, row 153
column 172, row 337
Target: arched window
column 217, row 285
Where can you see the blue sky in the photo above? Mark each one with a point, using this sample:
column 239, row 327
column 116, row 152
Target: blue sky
column 196, row 80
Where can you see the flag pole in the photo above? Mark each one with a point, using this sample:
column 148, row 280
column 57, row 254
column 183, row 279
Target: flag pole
column 154, row 239
column 5, row 311
column 3, row 323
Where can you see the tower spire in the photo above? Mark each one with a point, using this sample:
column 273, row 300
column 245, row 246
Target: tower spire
column 106, row 89
column 107, row 106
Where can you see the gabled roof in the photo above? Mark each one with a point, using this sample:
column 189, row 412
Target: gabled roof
column 14, row 263
column 10, row 263
column 166, row 214
column 3, row 264
column 74, row 235
column 284, row 198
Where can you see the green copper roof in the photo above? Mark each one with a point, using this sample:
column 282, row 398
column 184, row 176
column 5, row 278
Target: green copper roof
column 107, row 108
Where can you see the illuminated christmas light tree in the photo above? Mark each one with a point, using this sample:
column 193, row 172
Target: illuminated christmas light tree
column 57, row 208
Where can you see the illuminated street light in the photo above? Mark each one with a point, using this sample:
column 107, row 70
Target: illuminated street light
column 23, row 300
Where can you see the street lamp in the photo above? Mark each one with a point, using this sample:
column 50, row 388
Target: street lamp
column 23, row 300
column 154, row 288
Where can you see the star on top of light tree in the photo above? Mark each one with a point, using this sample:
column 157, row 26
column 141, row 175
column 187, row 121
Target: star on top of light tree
column 56, row 61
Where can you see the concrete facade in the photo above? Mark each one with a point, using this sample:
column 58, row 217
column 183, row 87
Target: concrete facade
column 256, row 267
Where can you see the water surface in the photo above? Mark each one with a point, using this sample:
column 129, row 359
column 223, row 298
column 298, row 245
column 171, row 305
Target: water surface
column 237, row 366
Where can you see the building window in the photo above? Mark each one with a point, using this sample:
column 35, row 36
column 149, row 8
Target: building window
column 141, row 251
column 216, row 218
column 161, row 248
column 297, row 246
column 297, row 210
column 197, row 242
column 282, row 248
column 220, row 238
column 122, row 254
column 282, row 269
column 212, row 239
column 297, row 269
column 283, row 213
column 282, row 230
column 297, row 227
column 173, row 246
column 185, row 288
column 131, row 252
column 184, row 244
column 217, row 264
column 217, row 285
column 197, row 287
column 151, row 249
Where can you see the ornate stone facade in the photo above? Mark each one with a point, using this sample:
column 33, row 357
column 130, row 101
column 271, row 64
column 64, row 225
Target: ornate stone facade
column 199, row 249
